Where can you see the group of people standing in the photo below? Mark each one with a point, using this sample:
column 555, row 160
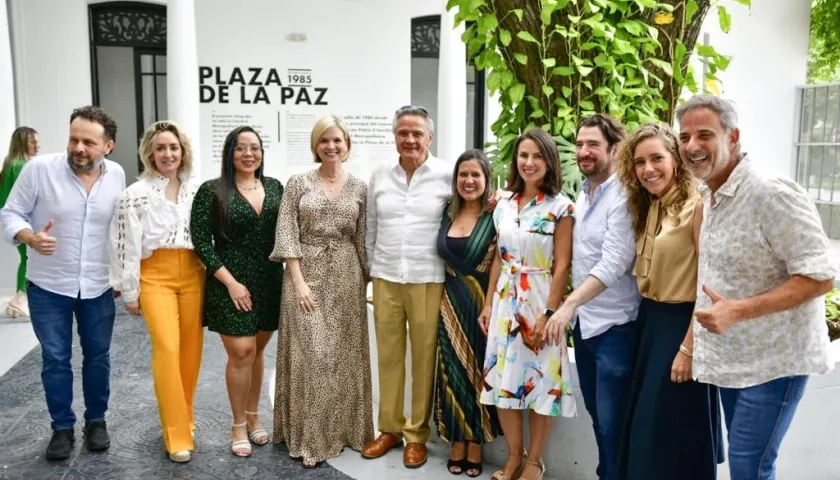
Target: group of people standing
column 696, row 284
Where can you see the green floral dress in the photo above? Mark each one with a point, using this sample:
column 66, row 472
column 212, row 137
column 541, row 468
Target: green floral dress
column 245, row 254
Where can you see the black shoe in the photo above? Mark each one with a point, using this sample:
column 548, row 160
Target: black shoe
column 96, row 436
column 61, row 445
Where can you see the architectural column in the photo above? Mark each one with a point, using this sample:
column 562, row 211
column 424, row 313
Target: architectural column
column 8, row 122
column 182, row 74
column 451, row 134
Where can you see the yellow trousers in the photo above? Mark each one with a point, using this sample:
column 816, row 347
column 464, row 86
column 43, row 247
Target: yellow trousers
column 394, row 306
column 171, row 294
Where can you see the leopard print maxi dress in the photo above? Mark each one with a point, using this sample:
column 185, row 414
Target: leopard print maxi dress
column 323, row 389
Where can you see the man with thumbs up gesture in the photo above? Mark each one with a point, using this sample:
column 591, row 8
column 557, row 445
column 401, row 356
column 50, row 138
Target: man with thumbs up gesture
column 70, row 197
column 41, row 242
column 763, row 270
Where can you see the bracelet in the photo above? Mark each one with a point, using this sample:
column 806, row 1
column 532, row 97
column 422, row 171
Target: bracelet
column 686, row 351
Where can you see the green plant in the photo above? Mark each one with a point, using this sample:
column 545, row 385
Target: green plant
column 552, row 62
column 832, row 313
column 824, row 51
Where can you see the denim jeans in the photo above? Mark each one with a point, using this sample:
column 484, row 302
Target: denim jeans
column 605, row 371
column 757, row 419
column 52, row 320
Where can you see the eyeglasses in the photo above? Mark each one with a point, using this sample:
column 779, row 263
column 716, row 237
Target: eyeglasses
column 244, row 148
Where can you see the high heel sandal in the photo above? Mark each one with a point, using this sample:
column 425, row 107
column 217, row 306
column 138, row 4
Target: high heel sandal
column 536, row 463
column 469, row 466
column 450, row 464
column 258, row 436
column 500, row 474
column 240, row 448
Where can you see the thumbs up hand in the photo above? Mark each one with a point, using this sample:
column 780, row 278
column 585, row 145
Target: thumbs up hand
column 42, row 242
column 721, row 315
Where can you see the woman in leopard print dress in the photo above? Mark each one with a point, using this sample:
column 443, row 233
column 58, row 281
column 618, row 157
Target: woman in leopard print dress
column 323, row 389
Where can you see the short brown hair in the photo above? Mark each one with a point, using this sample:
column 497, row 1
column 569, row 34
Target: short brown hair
column 553, row 180
column 612, row 130
column 97, row 115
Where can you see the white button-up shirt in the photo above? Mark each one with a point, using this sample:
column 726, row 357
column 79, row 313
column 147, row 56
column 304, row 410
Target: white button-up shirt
column 47, row 189
column 761, row 231
column 144, row 221
column 605, row 247
column 403, row 221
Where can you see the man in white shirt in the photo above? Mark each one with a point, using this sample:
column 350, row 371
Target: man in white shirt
column 763, row 270
column 61, row 208
column 404, row 208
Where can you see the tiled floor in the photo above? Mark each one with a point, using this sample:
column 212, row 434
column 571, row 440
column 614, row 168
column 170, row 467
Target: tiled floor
column 136, row 451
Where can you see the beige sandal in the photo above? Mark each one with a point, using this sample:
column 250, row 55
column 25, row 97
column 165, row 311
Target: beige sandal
column 539, row 464
column 500, row 474
column 240, row 448
column 258, row 436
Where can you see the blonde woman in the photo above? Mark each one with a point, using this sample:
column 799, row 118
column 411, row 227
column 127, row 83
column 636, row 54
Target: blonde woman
column 159, row 275
column 22, row 147
column 673, row 426
column 323, row 388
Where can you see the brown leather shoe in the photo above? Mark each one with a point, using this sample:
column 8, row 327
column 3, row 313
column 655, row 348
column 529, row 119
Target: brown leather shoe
column 414, row 455
column 381, row 445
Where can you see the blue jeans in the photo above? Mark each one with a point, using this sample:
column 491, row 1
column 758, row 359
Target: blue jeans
column 52, row 320
column 757, row 419
column 605, row 369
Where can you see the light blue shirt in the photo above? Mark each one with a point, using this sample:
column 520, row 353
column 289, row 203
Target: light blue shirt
column 48, row 189
column 605, row 247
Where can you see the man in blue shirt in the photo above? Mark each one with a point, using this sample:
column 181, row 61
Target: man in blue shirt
column 61, row 208
column 605, row 299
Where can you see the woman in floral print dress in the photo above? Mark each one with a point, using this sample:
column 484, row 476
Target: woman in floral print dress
column 530, row 274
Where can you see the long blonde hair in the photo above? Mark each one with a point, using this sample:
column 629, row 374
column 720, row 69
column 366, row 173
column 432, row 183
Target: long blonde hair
column 638, row 198
column 18, row 148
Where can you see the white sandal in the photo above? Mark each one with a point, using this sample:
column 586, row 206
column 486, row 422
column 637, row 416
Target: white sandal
column 258, row 434
column 240, row 448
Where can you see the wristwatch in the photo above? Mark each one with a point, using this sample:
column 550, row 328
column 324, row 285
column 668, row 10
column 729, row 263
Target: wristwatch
column 548, row 312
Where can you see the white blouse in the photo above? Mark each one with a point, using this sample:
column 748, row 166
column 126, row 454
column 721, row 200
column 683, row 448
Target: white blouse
column 144, row 221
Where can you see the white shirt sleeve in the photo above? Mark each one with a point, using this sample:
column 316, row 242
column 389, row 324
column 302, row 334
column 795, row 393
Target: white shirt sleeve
column 126, row 247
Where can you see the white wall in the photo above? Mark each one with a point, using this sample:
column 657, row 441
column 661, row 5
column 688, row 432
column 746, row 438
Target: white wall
column 768, row 47
column 365, row 65
column 52, row 71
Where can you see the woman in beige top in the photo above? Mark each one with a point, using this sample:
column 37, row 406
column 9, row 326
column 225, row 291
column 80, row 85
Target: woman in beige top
column 672, row 428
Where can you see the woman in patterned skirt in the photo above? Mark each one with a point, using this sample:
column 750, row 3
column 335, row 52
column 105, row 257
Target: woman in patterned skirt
column 323, row 389
column 528, row 277
column 467, row 244
column 233, row 221
column 673, row 427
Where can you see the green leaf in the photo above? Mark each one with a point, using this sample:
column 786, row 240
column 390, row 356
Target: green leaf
column 549, row 62
column 563, row 71
column 548, row 90
column 517, row 93
column 584, row 71
column 665, row 66
column 690, row 9
column 587, row 105
column 526, row 36
column 724, row 18
column 504, row 37
column 494, row 81
column 706, row 51
column 747, row 3
column 574, row 18
column 567, row 92
column 679, row 51
column 518, row 12
column 521, row 58
column 537, row 114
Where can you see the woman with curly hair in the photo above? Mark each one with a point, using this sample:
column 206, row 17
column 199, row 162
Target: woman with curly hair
column 672, row 428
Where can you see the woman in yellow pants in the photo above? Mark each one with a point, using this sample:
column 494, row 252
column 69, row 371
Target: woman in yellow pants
column 154, row 267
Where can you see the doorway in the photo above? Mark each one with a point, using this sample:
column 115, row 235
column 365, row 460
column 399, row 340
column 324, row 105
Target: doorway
column 128, row 54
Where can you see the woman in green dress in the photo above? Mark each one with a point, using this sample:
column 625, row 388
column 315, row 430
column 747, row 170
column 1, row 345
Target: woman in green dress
column 466, row 243
column 233, row 224
column 22, row 147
